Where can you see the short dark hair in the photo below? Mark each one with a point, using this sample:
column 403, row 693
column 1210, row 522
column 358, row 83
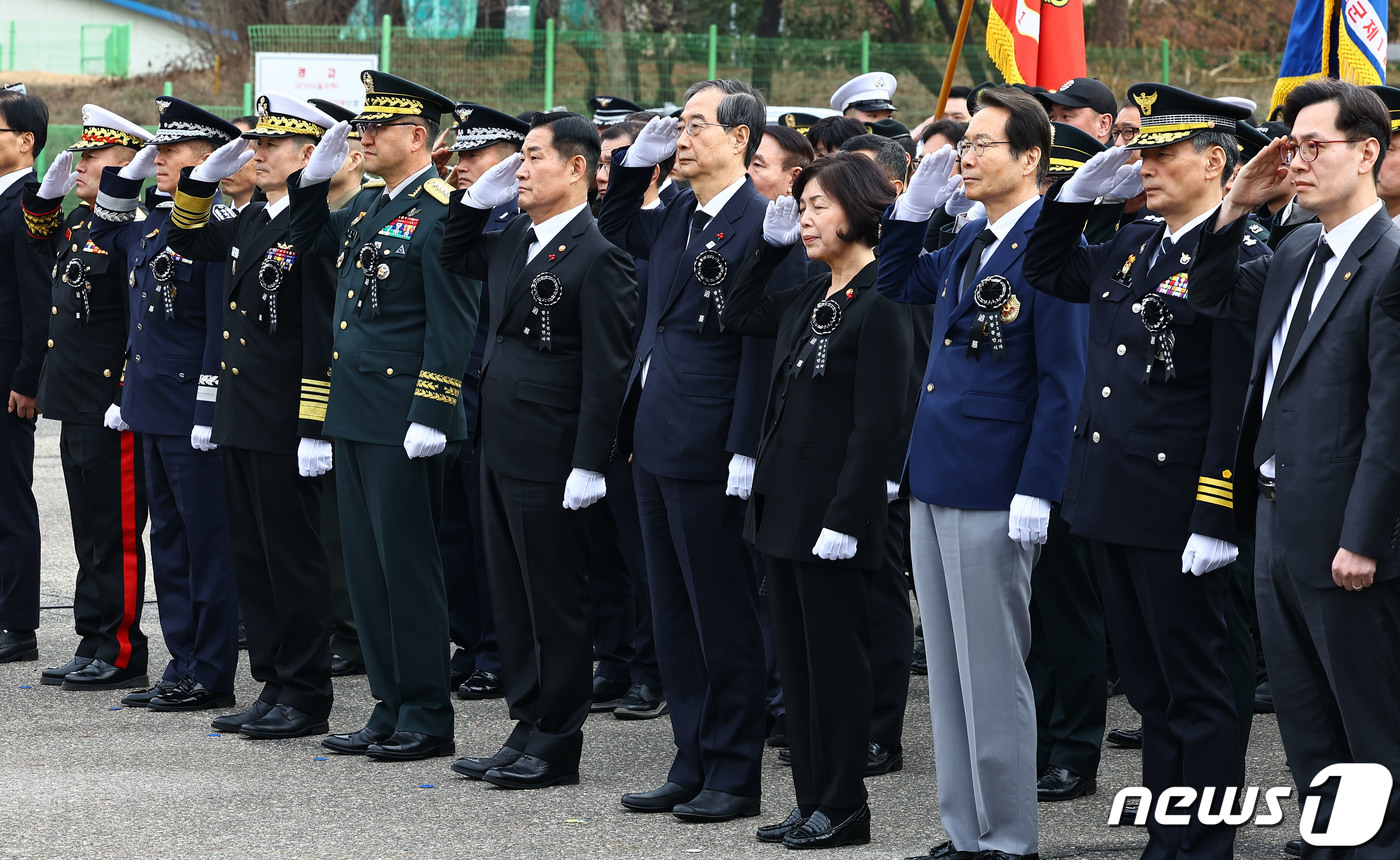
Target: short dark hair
column 433, row 127
column 832, row 131
column 892, row 158
column 26, row 113
column 959, row 92
column 857, row 186
column 629, row 129
column 741, row 105
column 573, row 135
column 1028, row 125
column 1226, row 141
column 797, row 152
column 952, row 129
column 1360, row 113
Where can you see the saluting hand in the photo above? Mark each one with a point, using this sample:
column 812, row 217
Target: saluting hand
column 931, row 186
column 1259, row 181
column 496, row 186
column 223, row 162
column 143, row 166
column 782, row 225
column 1099, row 175
column 59, row 179
column 655, row 143
column 328, row 156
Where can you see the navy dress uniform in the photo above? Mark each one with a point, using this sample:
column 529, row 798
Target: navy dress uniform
column 174, row 338
column 471, row 625
column 273, row 389
column 103, row 469
column 1152, row 465
column 402, row 329
column 870, row 96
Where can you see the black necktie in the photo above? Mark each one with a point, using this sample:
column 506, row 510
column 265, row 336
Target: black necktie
column 698, row 221
column 974, row 258
column 263, row 218
column 381, row 202
column 524, row 258
column 1264, row 445
column 1163, row 250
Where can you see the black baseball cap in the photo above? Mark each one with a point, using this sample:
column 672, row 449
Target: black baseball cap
column 1081, row 93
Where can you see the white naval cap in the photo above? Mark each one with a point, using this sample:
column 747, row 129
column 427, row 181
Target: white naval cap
column 102, row 128
column 871, row 91
column 281, row 115
column 1239, row 101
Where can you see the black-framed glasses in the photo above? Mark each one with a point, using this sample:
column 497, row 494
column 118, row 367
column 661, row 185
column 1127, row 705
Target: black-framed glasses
column 977, row 147
column 695, row 126
column 1309, row 149
column 1127, row 132
column 12, row 130
column 365, row 128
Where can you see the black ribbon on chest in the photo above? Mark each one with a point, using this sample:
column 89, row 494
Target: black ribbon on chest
column 826, row 318
column 163, row 269
column 990, row 294
column 711, row 269
column 1156, row 317
column 75, row 275
column 367, row 259
column 545, row 290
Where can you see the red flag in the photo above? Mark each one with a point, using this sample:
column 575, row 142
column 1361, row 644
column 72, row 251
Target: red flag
column 1037, row 42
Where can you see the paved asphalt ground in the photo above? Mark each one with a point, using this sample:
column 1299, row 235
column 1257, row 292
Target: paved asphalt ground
column 80, row 777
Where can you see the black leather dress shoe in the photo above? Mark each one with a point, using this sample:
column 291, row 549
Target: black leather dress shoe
column 101, row 675
column 355, row 743
column 1057, row 783
column 785, row 756
column 142, row 698
column 1293, row 848
column 777, row 733
column 411, row 746
column 881, row 759
column 1264, row 698
column 231, row 723
column 642, row 702
column 284, row 721
column 482, row 684
column 992, row 854
column 55, row 675
column 18, row 646
column 945, row 851
column 712, row 806
column 663, row 799
column 1128, row 739
column 776, row 832
column 531, row 772
column 342, row 667
column 919, row 664
column 191, row 695
column 607, row 694
column 475, row 768
column 821, row 832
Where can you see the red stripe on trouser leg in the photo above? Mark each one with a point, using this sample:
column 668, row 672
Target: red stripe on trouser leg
column 130, row 536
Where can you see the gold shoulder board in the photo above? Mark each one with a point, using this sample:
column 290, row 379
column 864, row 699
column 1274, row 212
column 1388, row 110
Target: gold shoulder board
column 439, row 189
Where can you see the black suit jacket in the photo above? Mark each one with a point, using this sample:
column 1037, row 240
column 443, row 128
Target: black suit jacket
column 824, row 451
column 1337, row 430
column 275, row 381
column 24, row 294
column 547, row 410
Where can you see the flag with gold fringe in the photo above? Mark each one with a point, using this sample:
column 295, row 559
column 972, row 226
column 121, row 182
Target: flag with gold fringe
column 1037, row 42
column 1342, row 39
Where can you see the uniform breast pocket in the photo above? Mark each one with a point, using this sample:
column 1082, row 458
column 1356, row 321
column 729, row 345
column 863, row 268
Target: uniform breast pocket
column 390, row 363
column 1166, row 451
column 393, row 264
column 1106, row 304
column 178, row 368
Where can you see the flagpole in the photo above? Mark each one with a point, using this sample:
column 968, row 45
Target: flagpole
column 953, row 57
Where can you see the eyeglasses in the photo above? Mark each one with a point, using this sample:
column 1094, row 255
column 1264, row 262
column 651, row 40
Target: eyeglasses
column 12, row 130
column 1308, row 149
column 605, row 167
column 365, row 128
column 695, row 126
column 977, row 147
column 1127, row 132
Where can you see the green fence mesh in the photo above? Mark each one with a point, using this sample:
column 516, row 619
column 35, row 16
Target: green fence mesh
column 75, row 49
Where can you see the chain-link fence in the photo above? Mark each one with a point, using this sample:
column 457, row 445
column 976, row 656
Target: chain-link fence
column 103, row 50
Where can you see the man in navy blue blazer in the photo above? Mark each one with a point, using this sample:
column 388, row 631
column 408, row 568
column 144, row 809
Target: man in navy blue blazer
column 691, row 421
column 987, row 456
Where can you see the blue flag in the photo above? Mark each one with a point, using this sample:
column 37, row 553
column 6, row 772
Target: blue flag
column 1342, row 39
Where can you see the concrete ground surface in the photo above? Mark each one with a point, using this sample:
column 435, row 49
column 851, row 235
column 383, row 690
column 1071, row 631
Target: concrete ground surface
column 81, row 777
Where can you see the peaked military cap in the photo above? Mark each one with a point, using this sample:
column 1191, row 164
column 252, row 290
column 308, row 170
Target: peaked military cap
column 1070, row 148
column 102, row 128
column 797, row 120
column 339, row 113
column 611, row 110
column 1250, row 140
column 389, row 96
column 478, row 126
column 1170, row 115
column 281, row 115
column 1390, row 97
column 870, row 91
column 181, row 121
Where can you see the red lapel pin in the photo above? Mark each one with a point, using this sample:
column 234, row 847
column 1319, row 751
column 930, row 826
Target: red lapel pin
column 719, row 235
column 551, row 258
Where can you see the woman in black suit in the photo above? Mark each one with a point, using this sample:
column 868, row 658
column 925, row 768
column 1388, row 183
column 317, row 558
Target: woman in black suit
column 819, row 496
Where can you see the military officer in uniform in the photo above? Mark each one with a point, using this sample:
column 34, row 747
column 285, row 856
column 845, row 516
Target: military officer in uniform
column 103, row 469
column 402, row 330
column 170, row 388
column 1151, row 478
column 611, row 110
column 867, row 97
column 273, row 392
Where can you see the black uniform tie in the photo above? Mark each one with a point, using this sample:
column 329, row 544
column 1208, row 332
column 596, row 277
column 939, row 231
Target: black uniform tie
column 974, row 259
column 381, row 202
column 1264, row 445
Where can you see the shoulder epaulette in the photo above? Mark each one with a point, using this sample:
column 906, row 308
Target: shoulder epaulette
column 438, row 189
column 373, row 183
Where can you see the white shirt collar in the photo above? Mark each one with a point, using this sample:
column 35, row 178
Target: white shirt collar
column 1188, row 226
column 550, row 227
column 275, row 209
column 717, row 202
column 1339, row 238
column 12, row 177
column 394, row 192
column 1003, row 225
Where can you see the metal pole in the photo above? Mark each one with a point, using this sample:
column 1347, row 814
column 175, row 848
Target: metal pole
column 385, row 31
column 953, row 57
column 864, row 51
column 247, row 98
column 1166, row 61
column 549, row 64
column 714, row 50
column 169, row 88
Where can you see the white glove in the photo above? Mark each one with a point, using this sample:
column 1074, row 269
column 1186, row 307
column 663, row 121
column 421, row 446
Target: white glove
column 496, row 186
column 834, row 546
column 583, row 489
column 223, row 162
column 59, row 179
column 959, row 204
column 740, row 476
column 199, row 438
column 314, row 457
column 1029, row 521
column 891, row 492
column 1204, row 554
column 931, row 186
column 328, row 156
column 655, row 143
column 423, row 441
column 143, row 166
column 113, row 419
column 1099, row 175
column 782, row 225
column 1131, row 184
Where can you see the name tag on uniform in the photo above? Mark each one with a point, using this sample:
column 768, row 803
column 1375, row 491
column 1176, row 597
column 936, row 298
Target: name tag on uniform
column 400, row 228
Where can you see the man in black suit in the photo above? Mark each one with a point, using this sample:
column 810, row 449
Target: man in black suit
column 103, row 469
column 276, row 381
column 24, row 292
column 1320, row 432
column 553, row 375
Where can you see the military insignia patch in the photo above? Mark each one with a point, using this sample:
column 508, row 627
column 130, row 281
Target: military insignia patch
column 1175, row 286
column 400, row 228
column 368, row 80
column 1145, row 101
column 1127, row 267
column 358, row 218
column 1185, row 259
column 1011, row 310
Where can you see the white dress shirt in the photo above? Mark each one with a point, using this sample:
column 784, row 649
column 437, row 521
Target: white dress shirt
column 12, row 177
column 549, row 228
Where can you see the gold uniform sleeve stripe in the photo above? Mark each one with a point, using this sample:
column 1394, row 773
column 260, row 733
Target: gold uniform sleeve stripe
column 1224, row 503
column 1211, row 491
column 312, row 411
column 1216, row 482
column 190, row 212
